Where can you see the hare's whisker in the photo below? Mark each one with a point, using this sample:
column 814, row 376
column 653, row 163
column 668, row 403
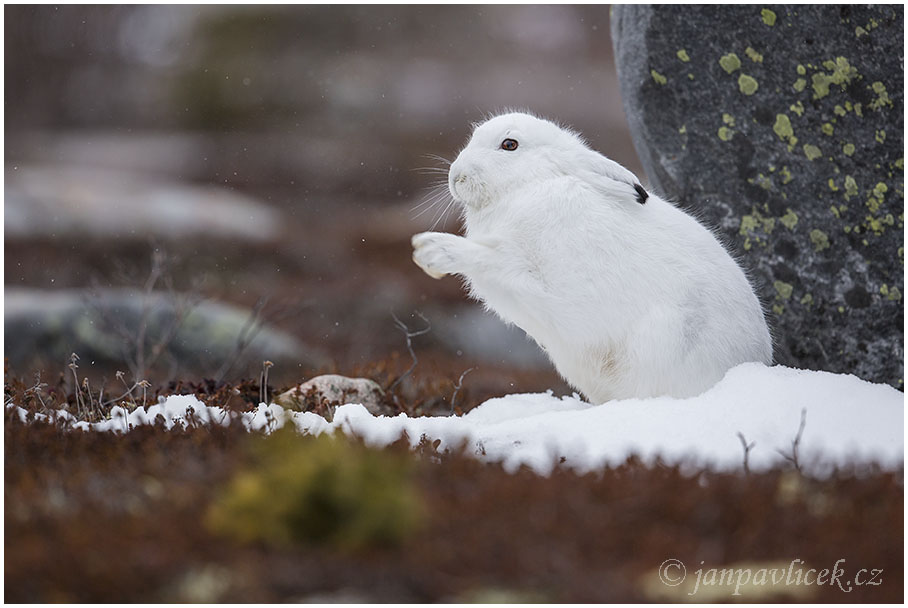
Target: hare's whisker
column 430, row 203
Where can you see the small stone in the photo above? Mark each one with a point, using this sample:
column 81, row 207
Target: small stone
column 336, row 390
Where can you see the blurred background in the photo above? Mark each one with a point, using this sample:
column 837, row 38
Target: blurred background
column 191, row 190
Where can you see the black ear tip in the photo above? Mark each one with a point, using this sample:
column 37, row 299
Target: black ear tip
column 642, row 194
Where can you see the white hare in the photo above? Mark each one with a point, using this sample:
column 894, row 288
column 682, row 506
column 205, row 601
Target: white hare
column 628, row 295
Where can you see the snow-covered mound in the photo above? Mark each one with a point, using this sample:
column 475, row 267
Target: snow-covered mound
column 846, row 421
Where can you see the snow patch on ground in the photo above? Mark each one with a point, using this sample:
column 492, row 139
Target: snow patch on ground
column 848, row 421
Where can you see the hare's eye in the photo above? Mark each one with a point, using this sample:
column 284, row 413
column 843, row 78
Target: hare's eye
column 509, row 144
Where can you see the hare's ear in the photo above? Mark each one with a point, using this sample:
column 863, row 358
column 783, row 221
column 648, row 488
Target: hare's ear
column 608, row 176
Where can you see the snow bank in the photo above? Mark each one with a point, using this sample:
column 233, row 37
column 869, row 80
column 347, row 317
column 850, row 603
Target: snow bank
column 848, row 421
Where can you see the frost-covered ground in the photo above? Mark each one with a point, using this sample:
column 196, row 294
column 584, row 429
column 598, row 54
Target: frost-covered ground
column 846, row 421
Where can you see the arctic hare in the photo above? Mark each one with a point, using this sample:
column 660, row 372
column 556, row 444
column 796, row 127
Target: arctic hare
column 628, row 295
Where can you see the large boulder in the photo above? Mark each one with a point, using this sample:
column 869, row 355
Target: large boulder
column 122, row 329
column 781, row 126
column 76, row 201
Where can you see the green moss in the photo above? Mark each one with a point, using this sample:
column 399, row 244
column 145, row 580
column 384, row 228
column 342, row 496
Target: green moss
column 748, row 223
column 841, row 72
column 827, row 129
column 725, row 134
column 782, row 127
column 754, row 55
column 730, row 62
column 797, row 108
column 659, row 78
column 799, row 85
column 892, row 293
column 880, row 136
column 882, row 96
column 801, row 69
column 812, row 152
column 769, row 17
column 807, row 300
column 728, row 119
column 682, row 55
column 747, row 84
column 751, row 224
column 851, row 187
column 819, row 239
column 832, row 185
column 789, row 220
column 762, row 181
column 878, row 225
column 319, row 490
column 783, row 289
column 820, row 85
column 786, row 175
column 877, row 197
column 848, row 149
column 683, row 129
column 778, row 309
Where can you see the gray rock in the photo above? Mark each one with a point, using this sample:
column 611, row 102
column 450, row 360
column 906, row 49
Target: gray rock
column 43, row 327
column 77, row 201
column 336, row 390
column 782, row 126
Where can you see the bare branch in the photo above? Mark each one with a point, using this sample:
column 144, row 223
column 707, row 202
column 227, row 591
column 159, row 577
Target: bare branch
column 263, row 382
column 796, row 443
column 140, row 356
column 409, row 335
column 128, row 393
column 145, row 384
column 37, row 389
column 747, row 448
column 247, row 334
column 76, row 388
column 158, row 265
column 457, row 388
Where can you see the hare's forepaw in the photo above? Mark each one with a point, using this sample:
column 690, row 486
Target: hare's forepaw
column 436, row 253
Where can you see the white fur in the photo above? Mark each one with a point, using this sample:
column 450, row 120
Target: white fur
column 627, row 299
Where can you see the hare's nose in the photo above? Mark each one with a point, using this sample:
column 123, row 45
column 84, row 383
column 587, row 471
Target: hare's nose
column 456, row 175
column 456, row 182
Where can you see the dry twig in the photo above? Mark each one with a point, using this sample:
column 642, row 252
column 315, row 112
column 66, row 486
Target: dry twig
column 796, row 444
column 409, row 336
column 457, row 388
column 747, row 448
